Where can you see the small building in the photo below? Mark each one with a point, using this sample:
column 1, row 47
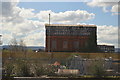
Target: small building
column 56, row 63
column 86, row 66
column 106, row 48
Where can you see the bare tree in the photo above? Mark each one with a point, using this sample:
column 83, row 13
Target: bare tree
column 15, row 47
column 22, row 47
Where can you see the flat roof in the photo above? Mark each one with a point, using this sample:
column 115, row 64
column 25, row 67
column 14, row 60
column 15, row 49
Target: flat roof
column 106, row 45
column 70, row 25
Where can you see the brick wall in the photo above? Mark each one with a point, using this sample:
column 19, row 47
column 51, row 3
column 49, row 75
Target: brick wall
column 60, row 43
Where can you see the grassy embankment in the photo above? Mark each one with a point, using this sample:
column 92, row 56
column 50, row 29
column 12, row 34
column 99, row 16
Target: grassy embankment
column 57, row 55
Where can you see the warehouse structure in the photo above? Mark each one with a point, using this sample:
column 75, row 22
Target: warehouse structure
column 106, row 48
column 71, row 38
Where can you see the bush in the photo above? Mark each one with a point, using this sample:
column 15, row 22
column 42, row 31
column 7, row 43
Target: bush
column 39, row 70
column 44, row 70
column 8, row 70
column 98, row 69
column 23, row 68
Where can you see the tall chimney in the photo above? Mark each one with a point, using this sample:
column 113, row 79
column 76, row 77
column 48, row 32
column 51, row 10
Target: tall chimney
column 49, row 18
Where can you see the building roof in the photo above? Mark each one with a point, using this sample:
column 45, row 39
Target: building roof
column 67, row 25
column 56, row 63
column 106, row 45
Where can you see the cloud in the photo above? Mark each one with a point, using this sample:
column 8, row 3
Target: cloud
column 18, row 24
column 66, row 17
column 25, row 30
column 116, row 9
column 18, row 15
column 35, row 38
column 107, row 35
column 24, row 24
column 26, row 13
column 112, row 4
column 8, row 7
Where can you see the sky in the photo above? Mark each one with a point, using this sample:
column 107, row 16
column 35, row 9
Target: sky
column 26, row 20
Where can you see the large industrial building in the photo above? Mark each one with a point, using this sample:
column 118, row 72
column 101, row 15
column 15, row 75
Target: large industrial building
column 71, row 38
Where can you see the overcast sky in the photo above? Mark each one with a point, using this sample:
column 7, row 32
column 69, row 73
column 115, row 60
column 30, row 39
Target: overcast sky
column 25, row 20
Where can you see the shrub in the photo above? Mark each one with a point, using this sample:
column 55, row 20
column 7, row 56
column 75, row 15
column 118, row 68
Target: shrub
column 98, row 69
column 24, row 69
column 8, row 70
column 39, row 70
column 44, row 70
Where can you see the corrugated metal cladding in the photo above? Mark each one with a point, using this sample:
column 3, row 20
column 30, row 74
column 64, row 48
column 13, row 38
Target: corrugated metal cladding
column 70, row 38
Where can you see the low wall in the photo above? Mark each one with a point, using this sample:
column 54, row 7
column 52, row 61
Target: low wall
column 68, row 72
column 61, row 78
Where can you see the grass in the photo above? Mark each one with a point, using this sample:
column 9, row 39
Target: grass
column 57, row 55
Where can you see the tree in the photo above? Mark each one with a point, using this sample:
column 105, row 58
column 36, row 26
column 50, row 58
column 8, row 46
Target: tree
column 19, row 47
column 98, row 69
column 15, row 47
column 22, row 47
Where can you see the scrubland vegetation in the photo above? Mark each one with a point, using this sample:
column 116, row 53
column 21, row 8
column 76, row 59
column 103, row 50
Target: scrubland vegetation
column 34, row 64
column 18, row 61
column 57, row 55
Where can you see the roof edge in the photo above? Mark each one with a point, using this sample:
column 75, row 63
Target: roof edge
column 70, row 25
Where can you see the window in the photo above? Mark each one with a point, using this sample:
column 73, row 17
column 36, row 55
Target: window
column 53, row 44
column 76, row 44
column 65, row 44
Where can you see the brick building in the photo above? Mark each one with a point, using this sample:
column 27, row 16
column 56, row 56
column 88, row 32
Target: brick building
column 70, row 38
